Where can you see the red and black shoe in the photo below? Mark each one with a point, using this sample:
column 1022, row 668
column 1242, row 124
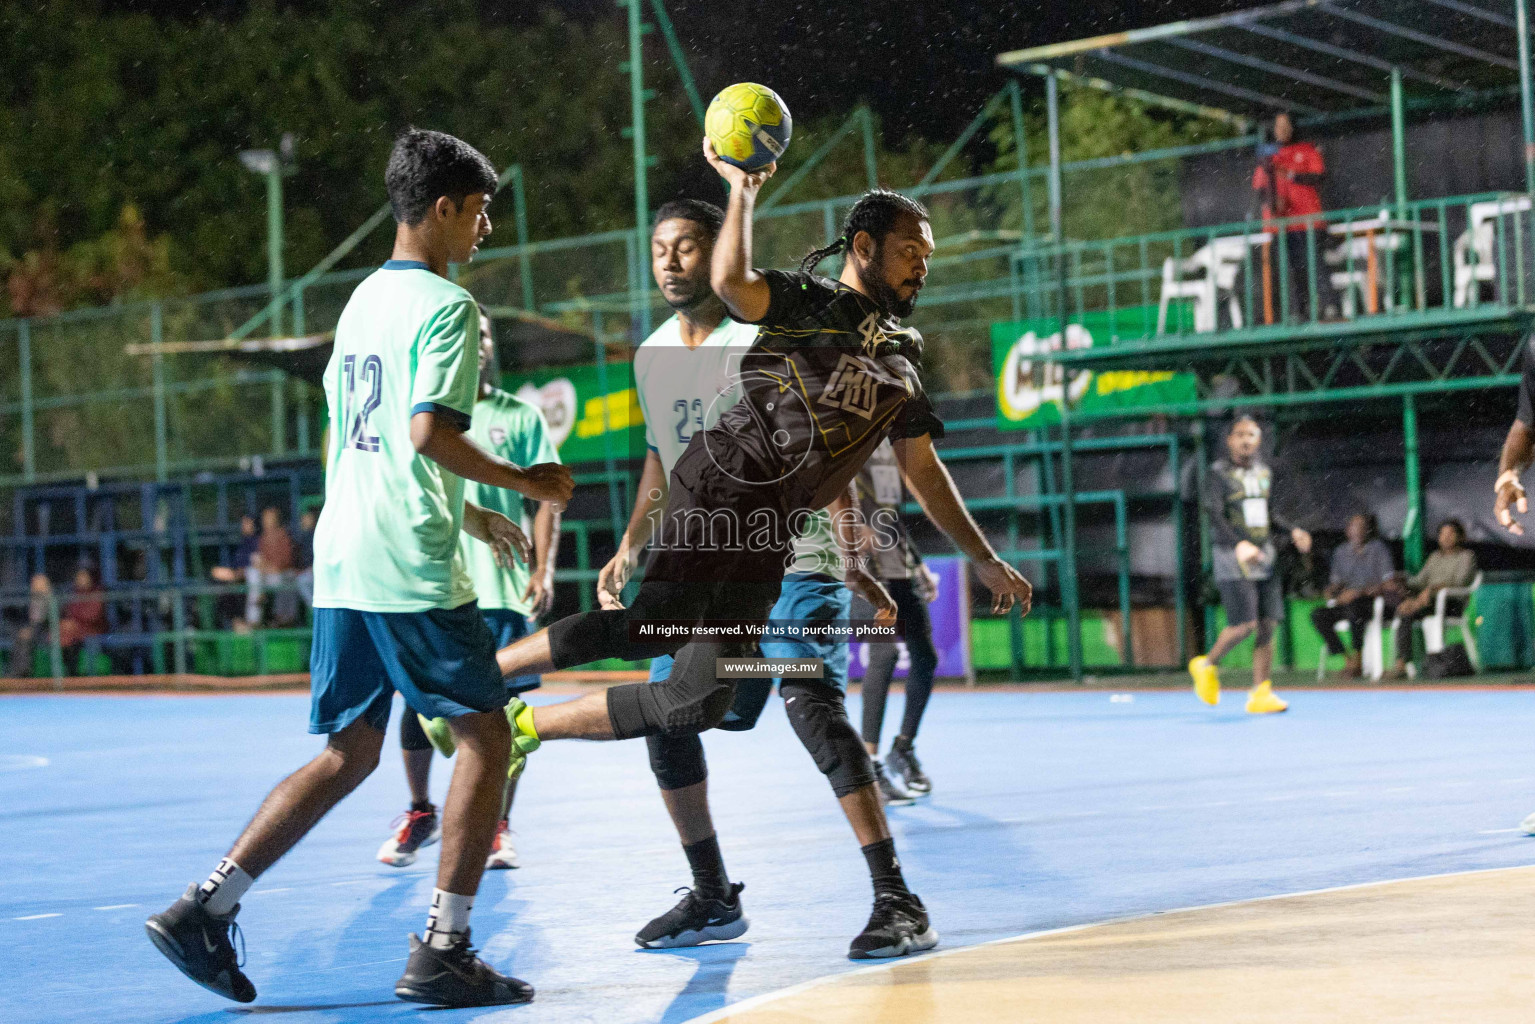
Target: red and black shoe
column 412, row 830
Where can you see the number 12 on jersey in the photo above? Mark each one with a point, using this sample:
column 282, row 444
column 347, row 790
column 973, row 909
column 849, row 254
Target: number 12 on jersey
column 355, row 416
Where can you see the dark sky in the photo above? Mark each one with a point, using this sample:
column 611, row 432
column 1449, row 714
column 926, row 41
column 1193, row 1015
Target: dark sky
column 924, row 65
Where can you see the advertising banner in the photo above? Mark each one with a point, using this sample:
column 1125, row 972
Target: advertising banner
column 951, row 625
column 573, row 403
column 1030, row 391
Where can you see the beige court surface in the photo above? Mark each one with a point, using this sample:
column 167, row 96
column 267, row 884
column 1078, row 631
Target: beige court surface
column 1457, row 949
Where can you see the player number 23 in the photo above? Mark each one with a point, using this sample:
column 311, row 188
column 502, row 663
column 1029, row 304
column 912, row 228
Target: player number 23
column 372, row 375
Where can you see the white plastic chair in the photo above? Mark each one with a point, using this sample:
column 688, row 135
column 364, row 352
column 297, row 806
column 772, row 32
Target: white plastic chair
column 1475, row 263
column 1204, row 277
column 1434, row 625
column 1371, row 661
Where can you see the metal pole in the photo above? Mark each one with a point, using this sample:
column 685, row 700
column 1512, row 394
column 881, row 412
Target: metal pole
column 1399, row 142
column 637, row 97
column 279, row 414
column 55, row 652
column 870, row 167
column 300, row 389
column 1053, row 113
column 1526, row 102
column 157, row 367
column 679, row 59
column 1069, row 592
column 274, row 243
column 1412, row 529
column 1057, row 231
column 524, row 261
column 28, row 413
column 1021, row 145
column 1180, row 595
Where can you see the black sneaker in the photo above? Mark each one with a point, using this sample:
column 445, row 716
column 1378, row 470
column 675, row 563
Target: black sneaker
column 898, row 926
column 456, row 976
column 902, row 760
column 201, row 945
column 697, row 919
column 891, row 790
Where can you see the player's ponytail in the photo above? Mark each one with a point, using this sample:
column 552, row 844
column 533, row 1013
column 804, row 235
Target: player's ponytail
column 875, row 212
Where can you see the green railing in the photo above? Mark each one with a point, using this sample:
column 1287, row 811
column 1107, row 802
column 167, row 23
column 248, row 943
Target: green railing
column 1387, row 266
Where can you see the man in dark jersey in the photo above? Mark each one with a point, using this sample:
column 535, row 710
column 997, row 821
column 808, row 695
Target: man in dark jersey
column 830, row 376
column 1518, row 451
column 1236, row 505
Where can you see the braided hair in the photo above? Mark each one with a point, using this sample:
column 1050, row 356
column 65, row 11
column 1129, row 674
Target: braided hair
column 876, row 212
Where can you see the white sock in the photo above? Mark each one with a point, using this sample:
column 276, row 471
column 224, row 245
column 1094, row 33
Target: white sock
column 224, row 887
column 448, row 919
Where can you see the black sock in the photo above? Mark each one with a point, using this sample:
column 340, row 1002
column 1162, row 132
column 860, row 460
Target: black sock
column 709, row 878
column 421, row 805
column 885, row 867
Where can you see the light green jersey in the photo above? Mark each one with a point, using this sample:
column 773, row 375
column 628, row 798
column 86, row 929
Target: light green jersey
column 507, row 426
column 683, row 391
column 387, row 540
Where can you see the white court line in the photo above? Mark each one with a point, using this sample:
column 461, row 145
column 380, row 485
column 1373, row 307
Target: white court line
column 35, row 917
column 769, row 997
column 116, row 906
column 1498, row 831
column 281, row 888
column 19, row 762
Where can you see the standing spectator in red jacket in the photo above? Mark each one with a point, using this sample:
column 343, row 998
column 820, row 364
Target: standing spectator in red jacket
column 1288, row 178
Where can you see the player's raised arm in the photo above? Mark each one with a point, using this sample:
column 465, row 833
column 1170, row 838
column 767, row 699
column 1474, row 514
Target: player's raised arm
column 930, row 483
column 743, row 290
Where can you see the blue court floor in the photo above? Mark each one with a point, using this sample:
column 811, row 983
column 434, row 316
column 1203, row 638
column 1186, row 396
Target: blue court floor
column 1049, row 809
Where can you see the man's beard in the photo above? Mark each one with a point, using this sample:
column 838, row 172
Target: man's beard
column 872, row 277
column 697, row 297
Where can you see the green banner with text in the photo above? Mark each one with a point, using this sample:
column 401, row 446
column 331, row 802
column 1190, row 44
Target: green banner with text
column 590, row 416
column 1030, row 390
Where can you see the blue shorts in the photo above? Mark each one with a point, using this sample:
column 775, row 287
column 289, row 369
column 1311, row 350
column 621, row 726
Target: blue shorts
column 506, row 628
column 442, row 661
column 807, row 597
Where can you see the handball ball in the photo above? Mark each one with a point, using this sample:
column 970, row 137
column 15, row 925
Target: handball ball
column 749, row 125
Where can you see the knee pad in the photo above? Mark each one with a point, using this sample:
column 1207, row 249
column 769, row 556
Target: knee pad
column 819, row 718
column 677, row 761
column 751, row 697
column 690, row 700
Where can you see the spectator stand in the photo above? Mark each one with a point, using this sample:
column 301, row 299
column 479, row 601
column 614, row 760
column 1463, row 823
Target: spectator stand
column 1418, row 321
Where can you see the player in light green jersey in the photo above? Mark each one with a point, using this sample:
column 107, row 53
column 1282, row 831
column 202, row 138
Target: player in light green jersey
column 394, row 608
column 510, row 598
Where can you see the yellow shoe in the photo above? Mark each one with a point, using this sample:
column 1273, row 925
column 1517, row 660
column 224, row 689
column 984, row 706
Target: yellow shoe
column 438, row 734
column 1207, row 680
column 524, row 736
column 1261, row 700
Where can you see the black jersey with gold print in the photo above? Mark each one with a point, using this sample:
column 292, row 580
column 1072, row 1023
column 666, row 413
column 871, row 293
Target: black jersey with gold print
column 830, row 376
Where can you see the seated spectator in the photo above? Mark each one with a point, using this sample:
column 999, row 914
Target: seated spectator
column 303, row 556
column 1453, row 565
column 84, row 618
column 1361, row 572
column 272, row 566
column 27, row 625
column 230, row 605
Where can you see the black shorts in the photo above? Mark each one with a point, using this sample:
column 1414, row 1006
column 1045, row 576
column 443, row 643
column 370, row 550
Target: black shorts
column 1251, row 600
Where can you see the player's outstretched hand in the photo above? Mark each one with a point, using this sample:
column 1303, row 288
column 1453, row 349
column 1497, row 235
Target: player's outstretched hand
column 507, row 541
column 1510, row 492
column 862, row 583
column 613, row 577
column 539, row 594
column 736, row 176
column 548, row 481
column 1006, row 584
